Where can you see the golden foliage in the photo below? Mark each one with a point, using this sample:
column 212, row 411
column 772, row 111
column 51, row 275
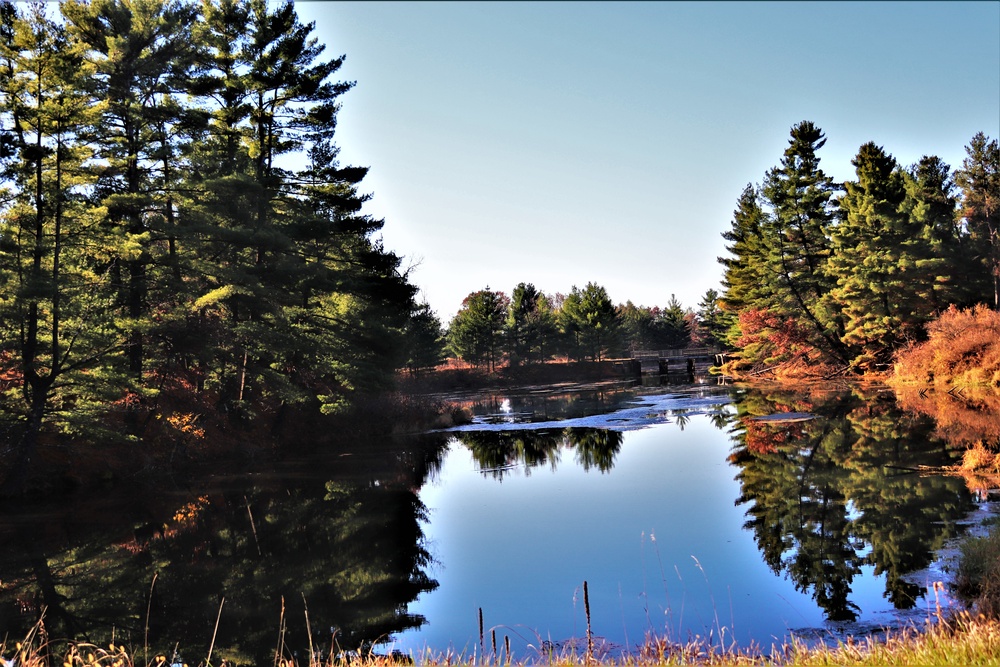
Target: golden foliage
column 963, row 349
column 185, row 422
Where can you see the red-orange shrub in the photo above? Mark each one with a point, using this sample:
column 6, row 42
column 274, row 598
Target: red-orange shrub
column 963, row 349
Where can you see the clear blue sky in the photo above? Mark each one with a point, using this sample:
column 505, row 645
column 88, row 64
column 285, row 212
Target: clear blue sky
column 567, row 142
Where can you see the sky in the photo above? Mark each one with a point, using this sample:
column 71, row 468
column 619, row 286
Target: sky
column 562, row 143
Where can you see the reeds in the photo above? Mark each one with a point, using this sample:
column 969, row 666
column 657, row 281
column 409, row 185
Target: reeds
column 960, row 640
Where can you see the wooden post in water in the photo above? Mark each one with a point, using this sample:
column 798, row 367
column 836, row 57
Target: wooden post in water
column 586, row 609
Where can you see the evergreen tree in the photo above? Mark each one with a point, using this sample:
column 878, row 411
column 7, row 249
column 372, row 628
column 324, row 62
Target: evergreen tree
column 139, row 54
column 295, row 296
column 747, row 280
column 892, row 248
column 939, row 270
column 713, row 321
column 425, row 340
column 979, row 180
column 868, row 266
column 670, row 328
column 589, row 321
column 476, row 332
column 797, row 238
column 634, row 326
column 530, row 324
column 57, row 337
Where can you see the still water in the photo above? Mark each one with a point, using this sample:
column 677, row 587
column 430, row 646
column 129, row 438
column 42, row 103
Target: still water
column 687, row 510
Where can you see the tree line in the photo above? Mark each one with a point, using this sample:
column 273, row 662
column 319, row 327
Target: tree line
column 174, row 219
column 531, row 327
column 847, row 274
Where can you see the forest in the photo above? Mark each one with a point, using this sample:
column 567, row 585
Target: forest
column 821, row 278
column 181, row 248
column 178, row 239
column 845, row 276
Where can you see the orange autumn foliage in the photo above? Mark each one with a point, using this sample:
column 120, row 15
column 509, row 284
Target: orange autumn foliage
column 963, row 349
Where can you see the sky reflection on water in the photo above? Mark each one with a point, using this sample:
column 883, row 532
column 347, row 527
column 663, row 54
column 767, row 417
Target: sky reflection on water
column 662, row 536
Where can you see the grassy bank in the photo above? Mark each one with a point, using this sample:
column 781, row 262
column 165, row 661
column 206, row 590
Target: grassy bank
column 960, row 641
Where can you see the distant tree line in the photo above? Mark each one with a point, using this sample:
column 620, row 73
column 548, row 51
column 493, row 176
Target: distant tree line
column 530, row 327
column 174, row 219
column 847, row 274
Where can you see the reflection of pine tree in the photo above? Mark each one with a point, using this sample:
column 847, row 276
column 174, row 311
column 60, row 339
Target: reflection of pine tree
column 820, row 492
column 882, row 495
column 595, row 448
column 496, row 452
column 352, row 550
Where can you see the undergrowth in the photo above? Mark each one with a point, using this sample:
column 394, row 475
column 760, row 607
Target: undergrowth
column 963, row 640
column 962, row 350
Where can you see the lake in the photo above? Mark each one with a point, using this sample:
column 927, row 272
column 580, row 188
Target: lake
column 736, row 515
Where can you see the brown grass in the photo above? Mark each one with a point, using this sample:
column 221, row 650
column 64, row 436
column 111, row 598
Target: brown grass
column 962, row 350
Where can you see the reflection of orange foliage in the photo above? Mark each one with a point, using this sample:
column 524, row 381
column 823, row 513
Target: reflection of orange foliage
column 963, row 418
column 963, row 349
column 767, row 438
column 189, row 511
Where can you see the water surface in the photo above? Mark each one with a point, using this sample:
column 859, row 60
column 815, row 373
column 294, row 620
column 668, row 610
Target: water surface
column 684, row 511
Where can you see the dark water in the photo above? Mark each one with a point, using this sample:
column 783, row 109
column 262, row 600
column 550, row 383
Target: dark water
column 684, row 514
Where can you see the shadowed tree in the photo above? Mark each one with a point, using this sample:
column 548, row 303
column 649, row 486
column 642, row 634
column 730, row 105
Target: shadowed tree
column 530, row 324
column 475, row 334
column 979, row 180
column 57, row 335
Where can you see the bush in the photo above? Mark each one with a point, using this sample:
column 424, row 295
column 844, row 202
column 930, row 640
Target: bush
column 963, row 349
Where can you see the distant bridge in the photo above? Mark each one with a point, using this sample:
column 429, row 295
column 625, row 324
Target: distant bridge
column 675, row 360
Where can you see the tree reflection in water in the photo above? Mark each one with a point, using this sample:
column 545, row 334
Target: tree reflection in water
column 835, row 493
column 825, row 497
column 497, row 453
column 346, row 543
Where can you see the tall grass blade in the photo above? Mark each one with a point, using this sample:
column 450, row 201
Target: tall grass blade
column 215, row 632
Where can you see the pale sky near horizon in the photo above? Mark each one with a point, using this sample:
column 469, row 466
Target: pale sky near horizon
column 561, row 143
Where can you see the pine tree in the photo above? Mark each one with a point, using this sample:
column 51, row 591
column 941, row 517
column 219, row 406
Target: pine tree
column 589, row 321
column 476, row 332
column 295, row 295
column 58, row 338
column 530, row 324
column 940, row 275
column 747, row 280
column 979, row 180
column 884, row 259
column 140, row 53
column 797, row 238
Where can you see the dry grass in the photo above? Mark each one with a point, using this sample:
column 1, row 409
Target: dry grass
column 961, row 641
column 962, row 350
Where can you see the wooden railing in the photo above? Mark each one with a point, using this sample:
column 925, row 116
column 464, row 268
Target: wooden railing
column 675, row 353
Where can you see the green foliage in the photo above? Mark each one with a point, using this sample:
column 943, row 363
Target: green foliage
column 823, row 501
column 849, row 282
column 476, row 332
column 670, row 327
column 589, row 321
column 174, row 212
column 425, row 340
column 531, row 325
column 713, row 321
column 979, row 180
